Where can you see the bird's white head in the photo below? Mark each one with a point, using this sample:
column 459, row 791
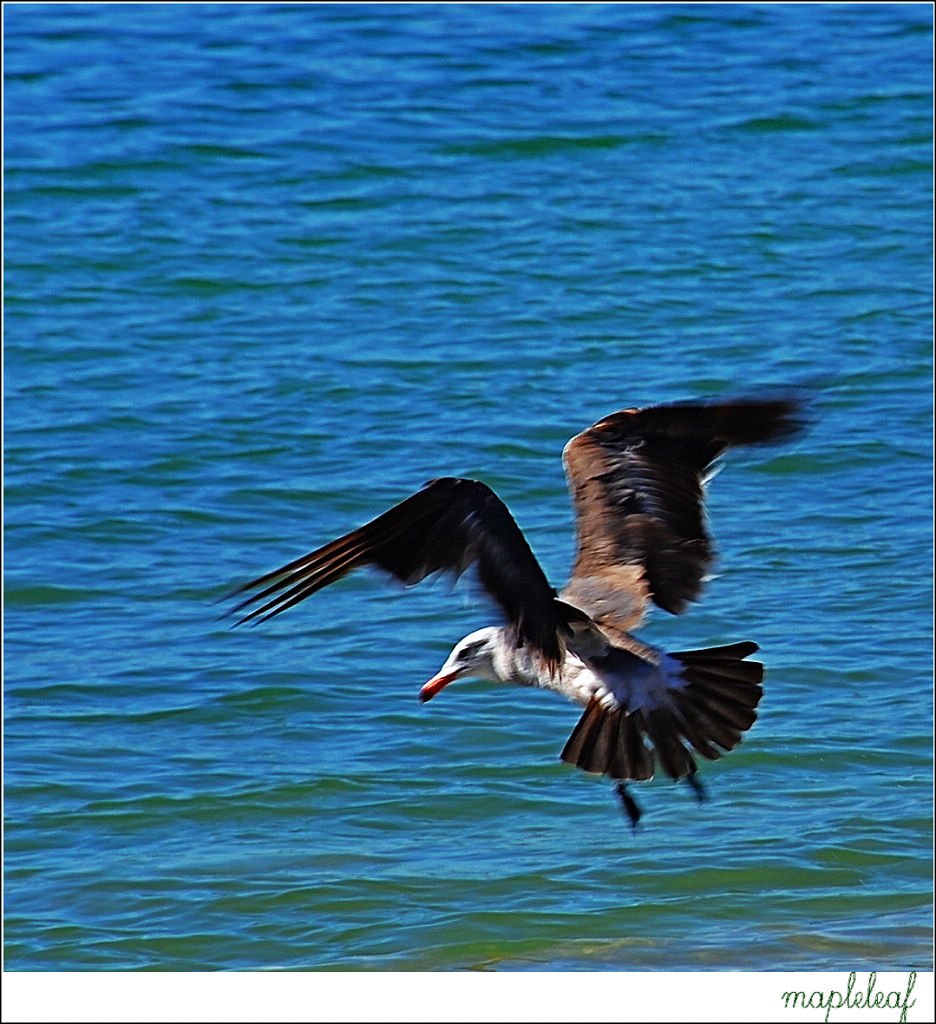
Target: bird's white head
column 473, row 656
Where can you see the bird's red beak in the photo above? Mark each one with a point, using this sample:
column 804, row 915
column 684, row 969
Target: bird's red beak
column 435, row 684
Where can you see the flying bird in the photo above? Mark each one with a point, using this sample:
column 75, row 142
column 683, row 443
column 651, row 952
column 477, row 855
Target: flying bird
column 637, row 480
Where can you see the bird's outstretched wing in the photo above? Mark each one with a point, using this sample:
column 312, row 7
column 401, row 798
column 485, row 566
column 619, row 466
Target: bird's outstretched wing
column 449, row 525
column 637, row 479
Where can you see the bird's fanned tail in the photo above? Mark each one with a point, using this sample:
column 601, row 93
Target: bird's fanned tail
column 708, row 714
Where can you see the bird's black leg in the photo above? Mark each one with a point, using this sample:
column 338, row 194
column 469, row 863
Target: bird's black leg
column 630, row 804
column 697, row 786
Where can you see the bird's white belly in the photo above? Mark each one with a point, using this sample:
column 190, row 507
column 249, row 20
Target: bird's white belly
column 641, row 685
column 629, row 682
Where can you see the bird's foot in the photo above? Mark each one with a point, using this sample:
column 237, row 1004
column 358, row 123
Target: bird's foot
column 697, row 786
column 629, row 803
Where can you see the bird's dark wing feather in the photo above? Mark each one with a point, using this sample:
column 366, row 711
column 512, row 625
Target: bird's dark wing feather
column 447, row 526
column 636, row 478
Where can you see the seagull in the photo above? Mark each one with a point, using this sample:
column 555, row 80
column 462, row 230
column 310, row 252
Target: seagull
column 637, row 480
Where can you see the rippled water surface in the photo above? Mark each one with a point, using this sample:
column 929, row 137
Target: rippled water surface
column 268, row 269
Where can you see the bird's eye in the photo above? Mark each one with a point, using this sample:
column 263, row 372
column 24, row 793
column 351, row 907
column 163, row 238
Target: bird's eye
column 469, row 652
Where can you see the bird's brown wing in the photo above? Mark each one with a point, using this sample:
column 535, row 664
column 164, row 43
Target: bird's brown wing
column 449, row 525
column 636, row 479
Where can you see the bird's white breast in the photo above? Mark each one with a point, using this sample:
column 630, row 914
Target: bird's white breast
column 642, row 685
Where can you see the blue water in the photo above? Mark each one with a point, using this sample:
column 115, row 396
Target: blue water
column 270, row 268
